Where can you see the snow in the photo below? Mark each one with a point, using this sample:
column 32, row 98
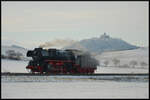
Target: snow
column 74, row 78
column 120, row 70
column 78, row 89
column 19, row 66
column 9, row 42
column 15, row 48
column 13, row 66
column 23, row 87
column 126, row 56
column 138, row 55
column 100, row 44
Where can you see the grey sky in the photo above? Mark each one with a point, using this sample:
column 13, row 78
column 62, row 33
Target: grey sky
column 33, row 23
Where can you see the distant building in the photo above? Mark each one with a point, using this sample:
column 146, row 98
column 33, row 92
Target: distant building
column 104, row 36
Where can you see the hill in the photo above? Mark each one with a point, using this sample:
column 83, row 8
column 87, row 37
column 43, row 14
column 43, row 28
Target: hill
column 103, row 43
column 15, row 48
column 140, row 55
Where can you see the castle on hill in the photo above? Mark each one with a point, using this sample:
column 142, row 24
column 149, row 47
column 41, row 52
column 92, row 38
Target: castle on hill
column 104, row 36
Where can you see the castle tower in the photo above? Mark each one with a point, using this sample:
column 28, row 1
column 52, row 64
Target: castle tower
column 104, row 36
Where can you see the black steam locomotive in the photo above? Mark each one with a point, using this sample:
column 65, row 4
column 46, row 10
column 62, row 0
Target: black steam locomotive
column 56, row 61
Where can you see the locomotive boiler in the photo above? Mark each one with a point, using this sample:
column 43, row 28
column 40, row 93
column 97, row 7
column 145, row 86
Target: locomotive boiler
column 55, row 61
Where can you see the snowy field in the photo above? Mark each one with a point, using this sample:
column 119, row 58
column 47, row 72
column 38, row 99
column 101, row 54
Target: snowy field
column 75, row 89
column 19, row 66
column 81, row 88
column 13, row 66
column 120, row 70
column 126, row 57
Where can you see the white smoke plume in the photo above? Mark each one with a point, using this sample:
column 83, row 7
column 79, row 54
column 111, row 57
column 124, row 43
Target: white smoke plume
column 57, row 42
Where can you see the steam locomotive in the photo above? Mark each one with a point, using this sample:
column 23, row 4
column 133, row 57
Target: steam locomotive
column 55, row 61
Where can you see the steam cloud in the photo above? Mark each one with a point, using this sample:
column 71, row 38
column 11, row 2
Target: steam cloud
column 86, row 59
column 57, row 42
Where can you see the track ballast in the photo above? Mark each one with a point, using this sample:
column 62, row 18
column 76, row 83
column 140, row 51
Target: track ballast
column 96, row 74
column 28, row 77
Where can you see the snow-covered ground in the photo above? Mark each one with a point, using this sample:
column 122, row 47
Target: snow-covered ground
column 81, row 88
column 14, row 48
column 120, row 70
column 78, row 89
column 125, row 57
column 19, row 66
column 13, row 66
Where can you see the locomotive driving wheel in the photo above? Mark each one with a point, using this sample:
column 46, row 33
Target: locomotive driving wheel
column 30, row 71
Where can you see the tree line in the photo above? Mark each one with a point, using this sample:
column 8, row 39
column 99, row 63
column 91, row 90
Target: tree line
column 11, row 54
column 132, row 63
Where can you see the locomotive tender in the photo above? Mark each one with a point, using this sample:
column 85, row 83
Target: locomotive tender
column 55, row 61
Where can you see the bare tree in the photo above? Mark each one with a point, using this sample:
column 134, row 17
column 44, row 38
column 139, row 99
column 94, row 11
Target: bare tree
column 106, row 62
column 13, row 55
column 133, row 63
column 3, row 56
column 125, row 66
column 19, row 55
column 116, row 61
column 143, row 63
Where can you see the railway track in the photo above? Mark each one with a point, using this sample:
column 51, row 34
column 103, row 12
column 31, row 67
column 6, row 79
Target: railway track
column 28, row 77
column 97, row 74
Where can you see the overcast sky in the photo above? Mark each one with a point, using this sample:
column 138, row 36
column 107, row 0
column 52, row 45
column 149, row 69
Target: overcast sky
column 33, row 23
